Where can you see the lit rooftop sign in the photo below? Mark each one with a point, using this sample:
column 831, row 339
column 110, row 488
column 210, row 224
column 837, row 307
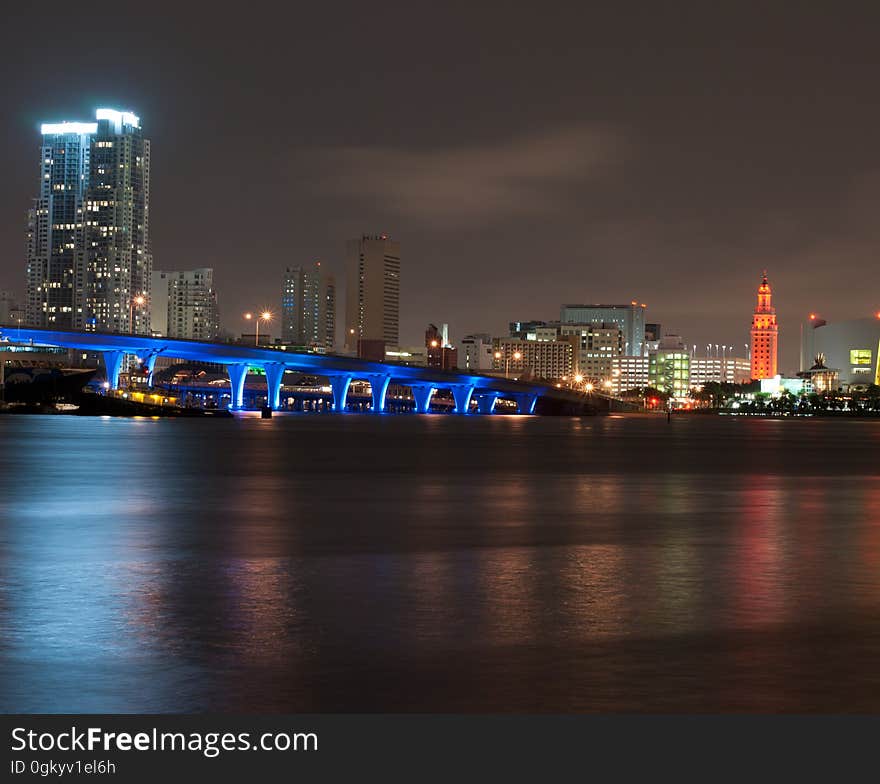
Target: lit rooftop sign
column 68, row 127
column 118, row 119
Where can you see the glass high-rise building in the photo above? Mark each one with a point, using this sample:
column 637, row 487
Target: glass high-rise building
column 308, row 307
column 89, row 260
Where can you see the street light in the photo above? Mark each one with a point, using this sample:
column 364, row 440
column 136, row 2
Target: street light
column 264, row 316
column 516, row 355
column 139, row 300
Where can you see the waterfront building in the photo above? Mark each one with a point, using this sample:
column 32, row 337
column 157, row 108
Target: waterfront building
column 852, row 347
column 629, row 319
column 476, row 352
column 764, row 334
column 184, row 304
column 308, row 307
column 544, row 359
column 372, row 298
column 628, row 373
column 595, row 346
column 820, row 378
column 778, row 385
column 89, row 262
column 669, row 367
column 721, row 370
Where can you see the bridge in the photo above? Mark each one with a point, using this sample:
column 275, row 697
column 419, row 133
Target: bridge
column 340, row 371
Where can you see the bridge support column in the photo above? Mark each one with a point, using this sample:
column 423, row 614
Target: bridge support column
column 379, row 388
column 525, row 403
column 274, row 377
column 462, row 395
column 486, row 403
column 112, row 367
column 422, row 394
column 149, row 364
column 340, row 385
column 237, row 376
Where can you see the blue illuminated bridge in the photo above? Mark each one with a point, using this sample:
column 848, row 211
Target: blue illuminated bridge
column 339, row 370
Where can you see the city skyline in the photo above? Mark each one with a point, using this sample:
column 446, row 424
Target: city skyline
column 663, row 181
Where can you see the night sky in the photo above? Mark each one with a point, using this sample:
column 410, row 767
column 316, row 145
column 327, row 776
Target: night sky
column 522, row 157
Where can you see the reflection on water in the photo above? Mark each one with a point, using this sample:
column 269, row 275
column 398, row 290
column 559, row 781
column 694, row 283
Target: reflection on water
column 358, row 563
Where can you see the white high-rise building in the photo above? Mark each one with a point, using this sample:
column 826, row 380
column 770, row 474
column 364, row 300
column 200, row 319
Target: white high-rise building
column 185, row 304
column 89, row 261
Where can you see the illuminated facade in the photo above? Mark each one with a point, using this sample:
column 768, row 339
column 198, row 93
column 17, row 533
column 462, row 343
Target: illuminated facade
column 764, row 334
column 308, row 308
column 669, row 367
column 89, row 261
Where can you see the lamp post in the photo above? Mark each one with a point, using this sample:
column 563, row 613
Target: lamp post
column 138, row 300
column 516, row 355
column 264, row 316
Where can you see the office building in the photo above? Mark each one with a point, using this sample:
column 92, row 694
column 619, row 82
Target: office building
column 476, row 353
column 308, row 308
column 851, row 347
column 184, row 304
column 628, row 373
column 552, row 360
column 372, row 297
column 629, row 319
column 89, row 263
column 764, row 334
column 721, row 370
column 595, row 346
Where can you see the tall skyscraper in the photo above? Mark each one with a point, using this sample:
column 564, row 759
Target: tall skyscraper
column 764, row 334
column 372, row 298
column 89, row 260
column 185, row 304
column 308, row 307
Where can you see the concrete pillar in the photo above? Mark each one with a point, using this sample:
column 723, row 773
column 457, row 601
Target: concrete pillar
column 340, row 386
column 149, row 364
column 462, row 395
column 525, row 403
column 422, row 394
column 274, row 377
column 379, row 388
column 112, row 367
column 237, row 376
column 486, row 403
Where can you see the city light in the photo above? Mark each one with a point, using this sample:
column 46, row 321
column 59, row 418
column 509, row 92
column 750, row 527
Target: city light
column 68, row 127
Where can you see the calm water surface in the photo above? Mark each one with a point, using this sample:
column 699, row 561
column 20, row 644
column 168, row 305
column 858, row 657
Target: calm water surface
column 361, row 563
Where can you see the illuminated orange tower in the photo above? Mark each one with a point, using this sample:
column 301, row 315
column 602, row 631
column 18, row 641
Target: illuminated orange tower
column 764, row 333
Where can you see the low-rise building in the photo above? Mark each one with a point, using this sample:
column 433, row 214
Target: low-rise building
column 476, row 352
